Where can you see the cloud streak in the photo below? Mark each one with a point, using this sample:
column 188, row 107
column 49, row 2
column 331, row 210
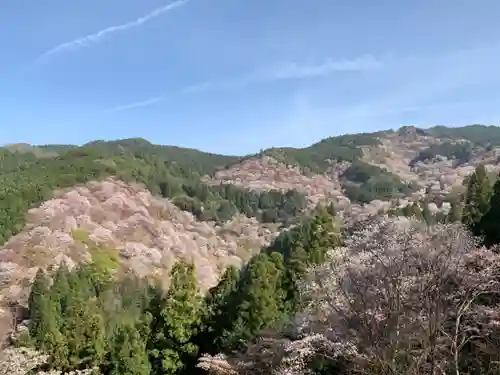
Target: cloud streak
column 288, row 71
column 279, row 72
column 143, row 103
column 90, row 39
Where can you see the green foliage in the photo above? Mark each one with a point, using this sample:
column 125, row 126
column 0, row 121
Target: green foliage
column 175, row 321
column 123, row 325
column 461, row 152
column 479, row 134
column 219, row 313
column 488, row 225
column 27, row 181
column 477, row 200
column 128, row 354
column 80, row 235
column 364, row 182
column 316, row 157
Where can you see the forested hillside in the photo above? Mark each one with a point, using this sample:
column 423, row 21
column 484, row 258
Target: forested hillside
column 329, row 258
column 27, row 180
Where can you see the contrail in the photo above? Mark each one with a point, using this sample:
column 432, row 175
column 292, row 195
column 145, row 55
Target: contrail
column 143, row 103
column 87, row 40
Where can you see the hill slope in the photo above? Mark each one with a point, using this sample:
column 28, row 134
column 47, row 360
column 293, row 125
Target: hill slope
column 64, row 202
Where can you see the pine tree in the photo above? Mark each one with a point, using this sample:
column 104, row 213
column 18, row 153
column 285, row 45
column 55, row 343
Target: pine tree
column 488, row 226
column 175, row 322
column 477, row 198
column 221, row 309
column 59, row 292
column 44, row 321
column 39, row 293
column 48, row 337
column 128, row 355
column 262, row 297
column 84, row 329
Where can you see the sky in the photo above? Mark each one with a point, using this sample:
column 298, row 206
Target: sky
column 236, row 76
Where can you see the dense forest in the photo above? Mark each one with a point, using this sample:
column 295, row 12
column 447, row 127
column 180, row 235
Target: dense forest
column 27, row 180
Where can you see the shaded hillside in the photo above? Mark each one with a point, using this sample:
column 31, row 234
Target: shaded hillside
column 318, row 157
column 188, row 159
column 482, row 135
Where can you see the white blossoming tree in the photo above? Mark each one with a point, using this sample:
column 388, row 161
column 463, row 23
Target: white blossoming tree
column 398, row 298
column 19, row 361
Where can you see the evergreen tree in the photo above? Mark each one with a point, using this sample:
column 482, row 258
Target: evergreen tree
column 262, row 298
column 39, row 293
column 477, row 198
column 175, row 322
column 221, row 309
column 44, row 321
column 128, row 355
column 488, row 226
column 59, row 292
column 84, row 329
column 48, row 338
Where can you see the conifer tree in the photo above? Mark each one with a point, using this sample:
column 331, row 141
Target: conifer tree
column 477, row 198
column 84, row 329
column 128, row 355
column 59, row 292
column 39, row 293
column 175, row 322
column 221, row 309
column 489, row 225
column 262, row 297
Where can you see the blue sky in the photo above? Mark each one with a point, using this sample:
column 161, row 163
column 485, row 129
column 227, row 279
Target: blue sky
column 234, row 76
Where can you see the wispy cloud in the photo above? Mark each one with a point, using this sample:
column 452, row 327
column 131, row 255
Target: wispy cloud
column 276, row 72
column 288, row 71
column 90, row 39
column 143, row 103
column 294, row 70
column 421, row 89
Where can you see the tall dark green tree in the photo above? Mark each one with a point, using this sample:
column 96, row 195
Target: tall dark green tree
column 220, row 312
column 175, row 322
column 59, row 292
column 262, row 298
column 39, row 293
column 489, row 224
column 84, row 329
column 128, row 354
column 477, row 199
